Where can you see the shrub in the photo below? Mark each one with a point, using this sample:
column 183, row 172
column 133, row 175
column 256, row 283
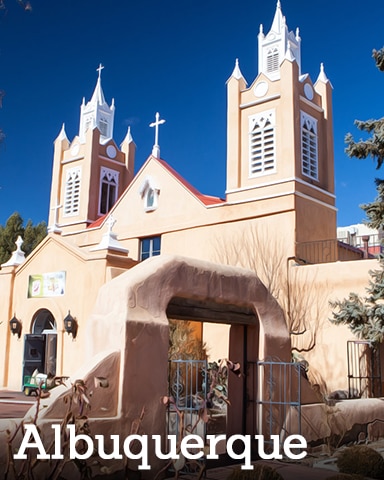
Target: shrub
column 361, row 460
column 260, row 472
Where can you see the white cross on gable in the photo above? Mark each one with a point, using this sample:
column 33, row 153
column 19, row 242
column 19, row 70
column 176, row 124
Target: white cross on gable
column 55, row 228
column 110, row 223
column 156, row 123
column 56, row 209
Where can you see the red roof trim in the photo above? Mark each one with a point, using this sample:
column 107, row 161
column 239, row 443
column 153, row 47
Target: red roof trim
column 206, row 199
column 97, row 222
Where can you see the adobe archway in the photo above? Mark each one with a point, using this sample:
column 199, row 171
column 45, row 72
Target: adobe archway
column 130, row 325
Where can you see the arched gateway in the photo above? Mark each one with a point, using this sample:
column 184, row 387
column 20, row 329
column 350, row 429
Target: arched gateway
column 128, row 339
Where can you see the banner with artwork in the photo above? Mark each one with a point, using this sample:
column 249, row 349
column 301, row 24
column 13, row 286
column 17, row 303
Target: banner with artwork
column 46, row 285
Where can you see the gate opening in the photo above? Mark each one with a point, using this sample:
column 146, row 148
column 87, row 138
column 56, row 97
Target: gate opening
column 40, row 346
column 364, row 370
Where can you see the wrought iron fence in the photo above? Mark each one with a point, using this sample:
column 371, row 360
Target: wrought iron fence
column 278, row 398
column 188, row 388
column 364, row 369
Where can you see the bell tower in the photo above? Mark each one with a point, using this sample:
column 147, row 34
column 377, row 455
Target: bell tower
column 280, row 136
column 97, row 113
column 274, row 46
column 91, row 172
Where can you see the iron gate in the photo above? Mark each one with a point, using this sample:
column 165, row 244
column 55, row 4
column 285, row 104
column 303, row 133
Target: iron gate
column 188, row 390
column 276, row 409
column 364, row 370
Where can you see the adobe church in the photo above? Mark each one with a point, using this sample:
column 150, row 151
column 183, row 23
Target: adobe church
column 104, row 219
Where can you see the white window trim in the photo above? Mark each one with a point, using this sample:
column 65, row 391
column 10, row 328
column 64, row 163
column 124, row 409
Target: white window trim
column 309, row 164
column 72, row 192
column 272, row 60
column 151, row 249
column 103, row 126
column 267, row 165
column 110, row 174
column 147, row 186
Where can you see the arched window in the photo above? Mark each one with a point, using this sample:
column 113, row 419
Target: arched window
column 150, row 201
column 43, row 320
column 72, row 191
column 103, row 126
column 262, row 157
column 109, row 182
column 309, row 146
column 150, row 194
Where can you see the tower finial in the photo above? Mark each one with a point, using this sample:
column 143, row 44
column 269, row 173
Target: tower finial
column 322, row 75
column 99, row 69
column 236, row 71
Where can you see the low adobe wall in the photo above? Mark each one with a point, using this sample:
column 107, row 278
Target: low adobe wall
column 129, row 322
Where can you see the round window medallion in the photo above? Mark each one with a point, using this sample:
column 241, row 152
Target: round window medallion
column 75, row 150
column 111, row 151
column 308, row 90
column 260, row 89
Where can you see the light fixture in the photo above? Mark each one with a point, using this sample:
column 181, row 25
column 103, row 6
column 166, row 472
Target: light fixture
column 70, row 325
column 15, row 326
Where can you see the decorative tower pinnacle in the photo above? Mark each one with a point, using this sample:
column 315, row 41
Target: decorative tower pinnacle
column 236, row 71
column 273, row 47
column 97, row 113
column 322, row 75
column 18, row 256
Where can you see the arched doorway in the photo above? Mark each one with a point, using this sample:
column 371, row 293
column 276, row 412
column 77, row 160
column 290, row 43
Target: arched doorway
column 40, row 346
column 43, row 321
column 242, row 349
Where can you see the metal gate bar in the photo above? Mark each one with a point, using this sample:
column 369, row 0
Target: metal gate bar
column 188, row 388
column 279, row 398
column 364, row 369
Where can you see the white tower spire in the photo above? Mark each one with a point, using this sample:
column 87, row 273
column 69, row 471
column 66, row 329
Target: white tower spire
column 274, row 46
column 97, row 113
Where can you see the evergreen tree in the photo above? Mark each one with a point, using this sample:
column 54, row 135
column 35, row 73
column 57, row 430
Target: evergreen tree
column 372, row 147
column 14, row 226
column 365, row 315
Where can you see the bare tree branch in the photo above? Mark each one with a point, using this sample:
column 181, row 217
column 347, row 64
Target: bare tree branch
column 296, row 292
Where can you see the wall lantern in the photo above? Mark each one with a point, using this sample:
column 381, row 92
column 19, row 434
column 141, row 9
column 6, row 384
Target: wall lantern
column 15, row 326
column 70, row 325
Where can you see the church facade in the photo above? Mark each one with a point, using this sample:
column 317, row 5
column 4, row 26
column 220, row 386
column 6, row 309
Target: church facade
column 104, row 219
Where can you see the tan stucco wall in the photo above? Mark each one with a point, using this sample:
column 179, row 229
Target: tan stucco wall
column 222, row 242
column 6, row 313
column 334, row 281
column 85, row 273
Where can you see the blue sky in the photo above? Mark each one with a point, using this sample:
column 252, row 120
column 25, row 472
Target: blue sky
column 172, row 57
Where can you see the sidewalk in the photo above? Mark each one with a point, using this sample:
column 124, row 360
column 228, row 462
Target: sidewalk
column 14, row 404
column 289, row 471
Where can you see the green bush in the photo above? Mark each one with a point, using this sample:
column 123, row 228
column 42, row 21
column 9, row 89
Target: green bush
column 260, row 472
column 361, row 460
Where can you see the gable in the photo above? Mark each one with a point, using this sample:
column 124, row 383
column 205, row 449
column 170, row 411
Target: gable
column 176, row 201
